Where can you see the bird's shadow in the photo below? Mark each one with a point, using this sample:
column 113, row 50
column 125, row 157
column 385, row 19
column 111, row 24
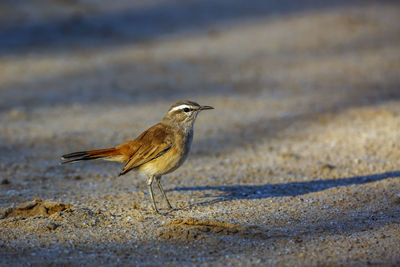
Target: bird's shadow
column 237, row 192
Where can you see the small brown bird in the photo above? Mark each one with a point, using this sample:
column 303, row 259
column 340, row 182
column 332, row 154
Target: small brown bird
column 158, row 151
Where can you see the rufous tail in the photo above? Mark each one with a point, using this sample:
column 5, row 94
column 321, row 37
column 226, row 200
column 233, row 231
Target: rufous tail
column 91, row 154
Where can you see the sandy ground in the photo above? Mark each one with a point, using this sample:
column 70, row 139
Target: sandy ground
column 298, row 164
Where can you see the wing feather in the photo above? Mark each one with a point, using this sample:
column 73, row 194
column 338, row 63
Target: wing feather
column 150, row 145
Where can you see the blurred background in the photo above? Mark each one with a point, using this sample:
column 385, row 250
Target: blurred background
column 55, row 52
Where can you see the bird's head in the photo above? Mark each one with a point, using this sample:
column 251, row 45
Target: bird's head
column 184, row 113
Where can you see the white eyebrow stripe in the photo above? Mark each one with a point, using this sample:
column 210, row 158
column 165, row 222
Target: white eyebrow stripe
column 180, row 107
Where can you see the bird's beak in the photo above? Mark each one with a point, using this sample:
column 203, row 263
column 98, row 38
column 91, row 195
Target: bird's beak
column 205, row 107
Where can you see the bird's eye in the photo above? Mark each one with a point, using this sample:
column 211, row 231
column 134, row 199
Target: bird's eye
column 186, row 109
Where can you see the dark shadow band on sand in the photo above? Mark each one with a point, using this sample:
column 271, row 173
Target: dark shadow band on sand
column 237, row 192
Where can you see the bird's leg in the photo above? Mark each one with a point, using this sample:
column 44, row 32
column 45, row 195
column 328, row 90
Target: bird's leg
column 158, row 179
column 149, row 185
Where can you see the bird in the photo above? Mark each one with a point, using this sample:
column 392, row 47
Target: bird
column 160, row 150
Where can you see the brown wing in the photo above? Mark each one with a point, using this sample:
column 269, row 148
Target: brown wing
column 148, row 146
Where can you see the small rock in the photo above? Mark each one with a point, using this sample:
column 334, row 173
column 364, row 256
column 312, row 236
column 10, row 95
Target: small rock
column 396, row 199
column 52, row 226
column 5, row 181
column 327, row 167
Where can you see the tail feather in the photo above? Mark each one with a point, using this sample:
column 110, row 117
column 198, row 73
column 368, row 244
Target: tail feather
column 89, row 155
